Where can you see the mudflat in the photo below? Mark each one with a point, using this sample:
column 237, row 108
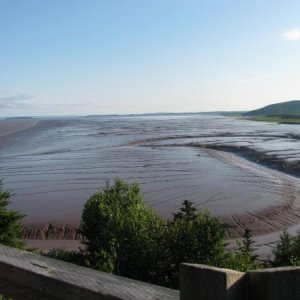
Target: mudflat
column 10, row 126
column 245, row 173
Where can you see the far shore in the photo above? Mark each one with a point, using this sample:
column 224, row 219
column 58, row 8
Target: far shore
column 272, row 119
column 10, row 126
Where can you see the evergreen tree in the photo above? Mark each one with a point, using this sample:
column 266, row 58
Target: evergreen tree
column 243, row 258
column 246, row 247
column 193, row 237
column 186, row 212
column 10, row 226
column 283, row 250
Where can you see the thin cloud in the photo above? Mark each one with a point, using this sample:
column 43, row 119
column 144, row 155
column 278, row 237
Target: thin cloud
column 249, row 79
column 17, row 101
column 292, row 35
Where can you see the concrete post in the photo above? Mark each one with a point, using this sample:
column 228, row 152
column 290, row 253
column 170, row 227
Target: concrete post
column 201, row 282
column 274, row 284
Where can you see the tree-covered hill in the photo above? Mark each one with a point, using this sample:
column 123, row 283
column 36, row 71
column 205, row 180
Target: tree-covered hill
column 289, row 108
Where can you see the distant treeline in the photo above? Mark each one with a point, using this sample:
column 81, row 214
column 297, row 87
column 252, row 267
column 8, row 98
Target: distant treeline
column 284, row 109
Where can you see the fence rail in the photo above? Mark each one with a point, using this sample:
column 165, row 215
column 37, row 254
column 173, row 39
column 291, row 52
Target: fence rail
column 25, row 275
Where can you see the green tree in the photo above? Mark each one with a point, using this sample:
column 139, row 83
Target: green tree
column 295, row 250
column 243, row 258
column 186, row 212
column 10, row 226
column 75, row 257
column 122, row 236
column 194, row 237
column 246, row 247
column 283, row 251
column 287, row 250
column 120, row 233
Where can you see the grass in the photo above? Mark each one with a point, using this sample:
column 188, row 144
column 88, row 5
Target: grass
column 275, row 119
column 4, row 298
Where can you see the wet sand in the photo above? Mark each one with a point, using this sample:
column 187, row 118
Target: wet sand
column 266, row 224
column 260, row 220
column 220, row 164
column 272, row 218
column 11, row 126
column 46, row 245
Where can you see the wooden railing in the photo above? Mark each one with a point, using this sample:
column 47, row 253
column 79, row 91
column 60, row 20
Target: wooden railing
column 25, row 275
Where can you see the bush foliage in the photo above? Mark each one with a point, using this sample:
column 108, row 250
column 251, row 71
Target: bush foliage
column 287, row 250
column 10, row 226
column 121, row 235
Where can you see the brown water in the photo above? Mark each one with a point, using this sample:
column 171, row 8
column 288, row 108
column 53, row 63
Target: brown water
column 55, row 166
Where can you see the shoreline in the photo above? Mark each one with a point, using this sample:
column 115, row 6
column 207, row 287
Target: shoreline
column 259, row 158
column 269, row 221
column 262, row 222
column 272, row 119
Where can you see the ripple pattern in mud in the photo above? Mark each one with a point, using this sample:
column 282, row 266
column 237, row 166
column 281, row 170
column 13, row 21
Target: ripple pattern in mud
column 55, row 166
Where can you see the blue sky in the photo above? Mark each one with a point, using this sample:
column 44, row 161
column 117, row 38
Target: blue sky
column 98, row 57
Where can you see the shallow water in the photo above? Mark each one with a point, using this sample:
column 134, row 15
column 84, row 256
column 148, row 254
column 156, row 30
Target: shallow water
column 54, row 167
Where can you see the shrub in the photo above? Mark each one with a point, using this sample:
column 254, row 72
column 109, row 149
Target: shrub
column 122, row 236
column 125, row 237
column 243, row 258
column 120, row 232
column 193, row 237
column 75, row 257
column 10, row 226
column 287, row 250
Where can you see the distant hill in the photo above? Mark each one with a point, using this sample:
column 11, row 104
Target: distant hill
column 19, row 118
column 289, row 108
